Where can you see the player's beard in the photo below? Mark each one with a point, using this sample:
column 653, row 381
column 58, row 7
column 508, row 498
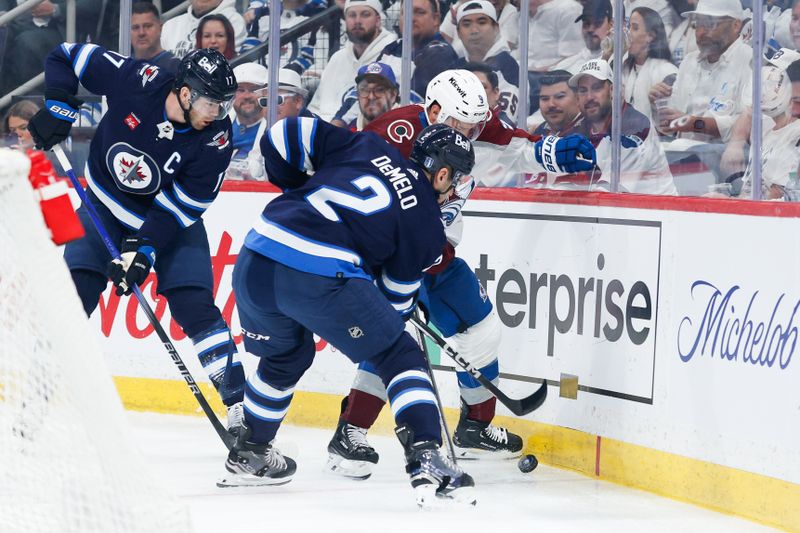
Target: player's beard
column 361, row 36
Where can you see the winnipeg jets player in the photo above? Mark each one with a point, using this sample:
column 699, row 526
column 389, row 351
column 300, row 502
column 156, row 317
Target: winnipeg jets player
column 341, row 253
column 155, row 165
column 457, row 304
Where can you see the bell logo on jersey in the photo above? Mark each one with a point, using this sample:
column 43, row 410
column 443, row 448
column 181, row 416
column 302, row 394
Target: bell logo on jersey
column 134, row 171
column 400, row 130
column 148, row 72
column 220, row 140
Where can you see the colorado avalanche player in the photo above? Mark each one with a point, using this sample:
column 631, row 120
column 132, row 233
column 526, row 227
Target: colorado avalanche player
column 341, row 253
column 457, row 304
column 155, row 165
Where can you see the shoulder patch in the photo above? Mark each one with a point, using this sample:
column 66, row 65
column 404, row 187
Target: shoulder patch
column 221, row 140
column 148, row 73
column 400, row 130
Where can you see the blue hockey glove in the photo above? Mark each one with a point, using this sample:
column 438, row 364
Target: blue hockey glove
column 51, row 124
column 573, row 153
column 132, row 267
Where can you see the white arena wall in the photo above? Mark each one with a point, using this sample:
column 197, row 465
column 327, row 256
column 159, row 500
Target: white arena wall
column 666, row 328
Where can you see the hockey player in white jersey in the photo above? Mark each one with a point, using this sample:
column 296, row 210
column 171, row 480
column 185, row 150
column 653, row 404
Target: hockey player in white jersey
column 457, row 304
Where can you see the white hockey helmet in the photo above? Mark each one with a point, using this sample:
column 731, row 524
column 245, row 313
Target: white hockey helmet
column 776, row 92
column 462, row 99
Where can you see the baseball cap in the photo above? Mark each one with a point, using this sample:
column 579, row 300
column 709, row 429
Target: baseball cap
column 374, row 4
column 476, row 7
column 377, row 69
column 784, row 57
column 596, row 68
column 251, row 73
column 289, row 80
column 596, row 10
column 717, row 8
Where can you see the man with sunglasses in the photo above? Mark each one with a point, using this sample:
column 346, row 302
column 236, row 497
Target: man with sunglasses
column 155, row 165
column 706, row 98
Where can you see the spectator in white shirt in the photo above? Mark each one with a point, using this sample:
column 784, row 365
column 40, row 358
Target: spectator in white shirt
column 648, row 59
column 553, row 35
column 178, row 34
column 706, row 98
column 597, row 25
column 507, row 18
column 644, row 167
column 366, row 39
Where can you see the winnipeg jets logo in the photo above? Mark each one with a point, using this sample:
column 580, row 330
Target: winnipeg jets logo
column 220, row 140
column 148, row 72
column 400, row 130
column 134, row 171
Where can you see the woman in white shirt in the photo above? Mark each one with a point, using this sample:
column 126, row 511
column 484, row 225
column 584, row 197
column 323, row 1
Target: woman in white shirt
column 648, row 59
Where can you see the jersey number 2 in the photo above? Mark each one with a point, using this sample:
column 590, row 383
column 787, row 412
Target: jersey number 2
column 323, row 198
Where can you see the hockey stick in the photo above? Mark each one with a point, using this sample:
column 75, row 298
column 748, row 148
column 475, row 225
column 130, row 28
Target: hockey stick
column 518, row 407
column 226, row 437
column 424, row 346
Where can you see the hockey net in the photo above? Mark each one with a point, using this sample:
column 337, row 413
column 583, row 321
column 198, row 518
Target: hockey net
column 66, row 462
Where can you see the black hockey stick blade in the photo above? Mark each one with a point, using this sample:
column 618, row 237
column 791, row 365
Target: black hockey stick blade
column 519, row 407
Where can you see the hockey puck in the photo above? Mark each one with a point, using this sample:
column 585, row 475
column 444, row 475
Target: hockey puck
column 527, row 463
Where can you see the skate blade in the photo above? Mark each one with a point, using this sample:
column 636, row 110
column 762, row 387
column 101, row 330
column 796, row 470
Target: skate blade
column 428, row 499
column 473, row 454
column 348, row 468
column 249, row 480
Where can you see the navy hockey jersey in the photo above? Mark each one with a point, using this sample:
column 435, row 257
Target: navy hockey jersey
column 352, row 207
column 155, row 176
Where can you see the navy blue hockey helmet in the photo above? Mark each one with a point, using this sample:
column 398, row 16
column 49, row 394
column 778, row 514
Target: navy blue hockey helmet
column 207, row 74
column 439, row 146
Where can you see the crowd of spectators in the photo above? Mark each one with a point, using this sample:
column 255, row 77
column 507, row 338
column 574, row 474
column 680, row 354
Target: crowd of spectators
column 685, row 71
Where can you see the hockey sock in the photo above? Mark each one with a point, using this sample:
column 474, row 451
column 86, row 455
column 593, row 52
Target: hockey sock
column 265, row 407
column 90, row 285
column 483, row 411
column 220, row 360
column 362, row 409
column 413, row 403
column 480, row 401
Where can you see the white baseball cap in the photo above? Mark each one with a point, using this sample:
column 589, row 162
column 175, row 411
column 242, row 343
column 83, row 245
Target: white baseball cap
column 374, row 4
column 717, row 8
column 596, row 68
column 289, row 80
column 251, row 73
column 784, row 57
column 476, row 7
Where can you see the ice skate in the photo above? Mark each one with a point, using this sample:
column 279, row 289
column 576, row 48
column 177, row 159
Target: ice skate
column 436, row 480
column 481, row 440
column 349, row 453
column 251, row 464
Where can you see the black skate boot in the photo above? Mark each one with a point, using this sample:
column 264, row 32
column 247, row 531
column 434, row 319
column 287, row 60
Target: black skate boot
column 252, row 464
column 436, row 479
column 481, row 440
column 349, row 453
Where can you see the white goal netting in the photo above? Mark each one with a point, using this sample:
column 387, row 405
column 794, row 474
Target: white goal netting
column 66, row 463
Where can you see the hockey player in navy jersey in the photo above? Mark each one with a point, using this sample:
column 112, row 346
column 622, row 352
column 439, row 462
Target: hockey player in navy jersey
column 457, row 304
column 155, row 165
column 341, row 253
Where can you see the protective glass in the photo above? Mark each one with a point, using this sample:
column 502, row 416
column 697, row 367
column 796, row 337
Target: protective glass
column 211, row 108
column 470, row 130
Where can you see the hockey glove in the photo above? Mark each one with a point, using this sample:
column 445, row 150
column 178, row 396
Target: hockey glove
column 132, row 267
column 573, row 153
column 51, row 124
